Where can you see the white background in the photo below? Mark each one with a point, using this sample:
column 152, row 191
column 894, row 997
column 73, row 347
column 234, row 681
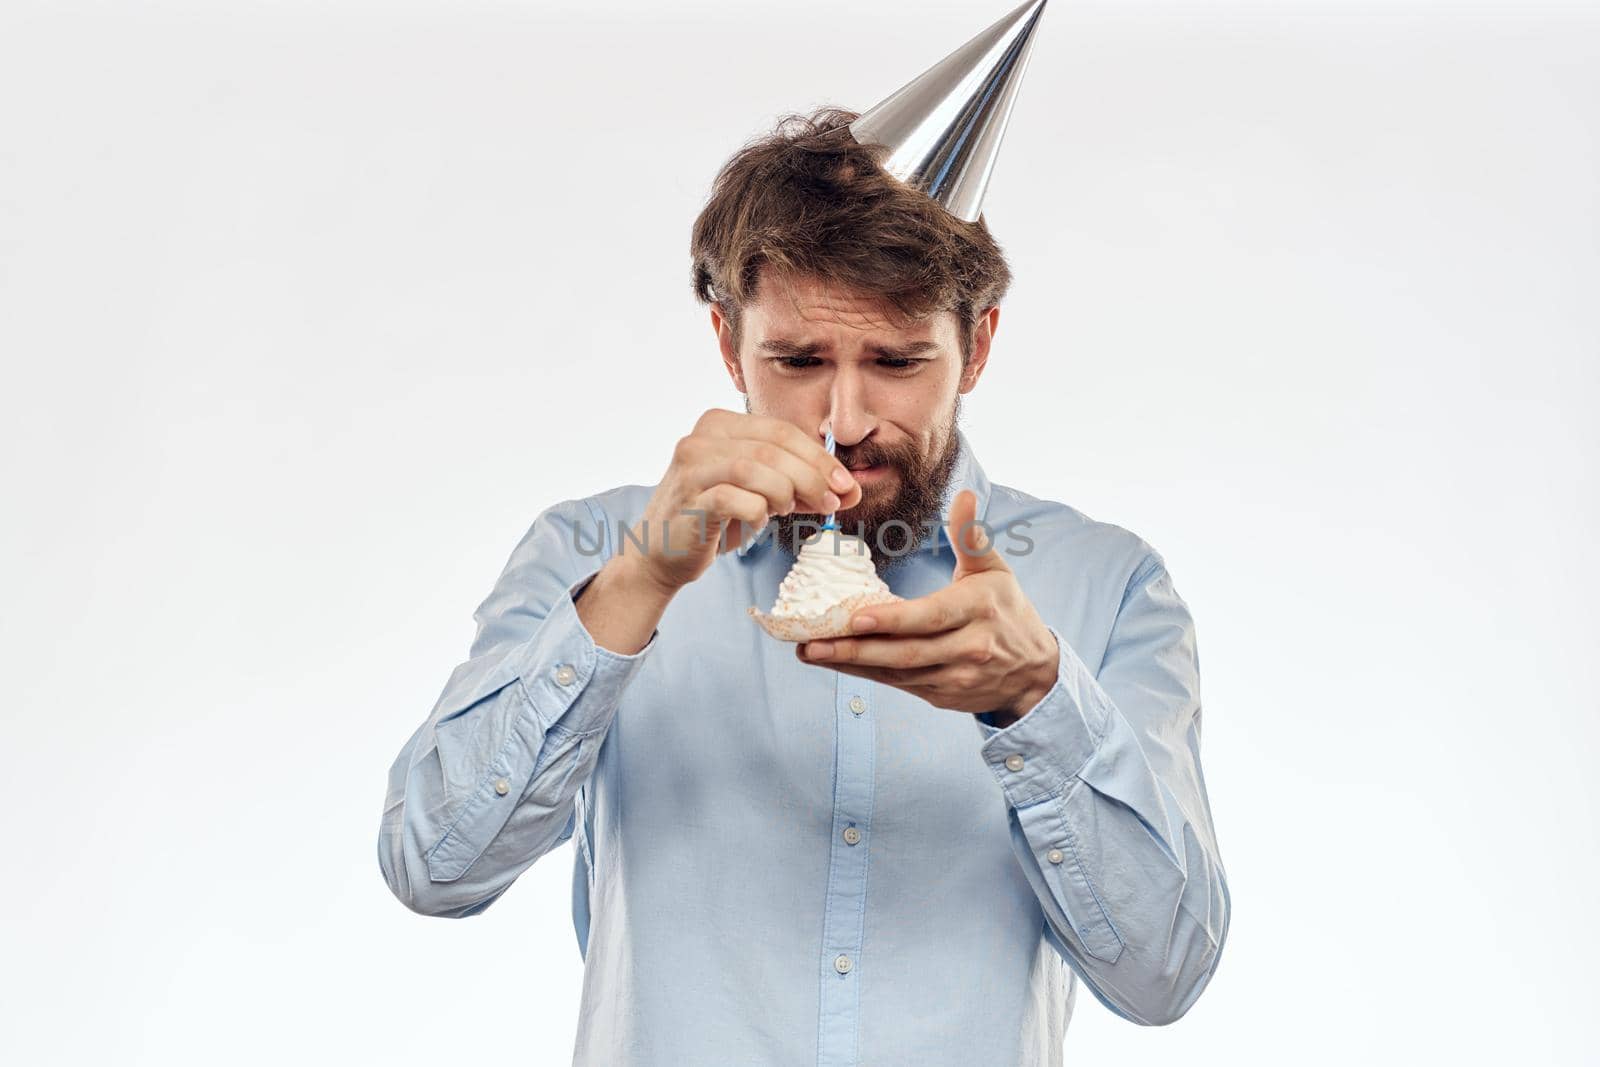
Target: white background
column 306, row 310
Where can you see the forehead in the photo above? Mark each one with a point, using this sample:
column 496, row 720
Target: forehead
column 803, row 307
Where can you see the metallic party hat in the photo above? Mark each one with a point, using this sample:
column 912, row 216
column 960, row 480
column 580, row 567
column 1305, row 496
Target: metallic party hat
column 943, row 129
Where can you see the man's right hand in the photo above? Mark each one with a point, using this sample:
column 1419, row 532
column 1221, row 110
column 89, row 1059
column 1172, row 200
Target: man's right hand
column 728, row 477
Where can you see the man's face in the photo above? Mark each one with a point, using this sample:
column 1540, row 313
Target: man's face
column 817, row 357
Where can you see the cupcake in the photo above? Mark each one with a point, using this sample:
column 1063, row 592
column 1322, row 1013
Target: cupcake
column 832, row 578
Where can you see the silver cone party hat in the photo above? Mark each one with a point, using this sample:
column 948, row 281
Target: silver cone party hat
column 943, row 129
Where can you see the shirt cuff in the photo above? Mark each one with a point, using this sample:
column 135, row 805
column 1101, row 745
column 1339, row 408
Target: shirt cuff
column 571, row 681
column 1038, row 755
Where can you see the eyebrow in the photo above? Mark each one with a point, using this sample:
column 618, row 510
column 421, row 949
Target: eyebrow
column 794, row 348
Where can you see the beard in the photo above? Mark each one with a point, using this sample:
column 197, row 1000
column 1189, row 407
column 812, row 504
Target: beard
column 893, row 526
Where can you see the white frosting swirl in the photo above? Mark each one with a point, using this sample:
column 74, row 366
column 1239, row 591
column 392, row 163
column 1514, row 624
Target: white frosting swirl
column 831, row 566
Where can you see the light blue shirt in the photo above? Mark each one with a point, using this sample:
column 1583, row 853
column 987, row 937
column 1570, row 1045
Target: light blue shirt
column 779, row 863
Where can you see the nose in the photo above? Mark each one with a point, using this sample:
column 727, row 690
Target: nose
column 848, row 412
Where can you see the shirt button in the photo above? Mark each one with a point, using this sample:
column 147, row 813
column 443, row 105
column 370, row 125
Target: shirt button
column 852, row 835
column 1014, row 761
column 841, row 963
column 502, row 786
column 858, row 705
column 1054, row 855
column 565, row 674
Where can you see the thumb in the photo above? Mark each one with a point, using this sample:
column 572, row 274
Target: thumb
column 975, row 551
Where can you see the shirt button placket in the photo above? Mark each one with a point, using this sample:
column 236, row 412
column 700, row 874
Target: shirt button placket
column 844, row 912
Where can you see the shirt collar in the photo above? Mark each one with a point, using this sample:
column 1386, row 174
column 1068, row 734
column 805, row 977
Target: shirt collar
column 968, row 474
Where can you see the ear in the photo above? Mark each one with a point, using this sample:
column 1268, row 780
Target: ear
column 982, row 335
column 730, row 357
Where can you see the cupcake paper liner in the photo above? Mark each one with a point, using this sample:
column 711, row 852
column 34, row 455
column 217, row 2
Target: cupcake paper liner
column 835, row 622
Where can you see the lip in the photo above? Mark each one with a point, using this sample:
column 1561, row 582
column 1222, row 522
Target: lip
column 868, row 475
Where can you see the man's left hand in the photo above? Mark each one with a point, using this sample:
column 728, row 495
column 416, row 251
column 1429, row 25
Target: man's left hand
column 976, row 645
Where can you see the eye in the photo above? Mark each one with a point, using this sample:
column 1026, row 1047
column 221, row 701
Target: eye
column 901, row 363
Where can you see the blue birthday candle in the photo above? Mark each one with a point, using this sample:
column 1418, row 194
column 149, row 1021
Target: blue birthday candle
column 828, row 523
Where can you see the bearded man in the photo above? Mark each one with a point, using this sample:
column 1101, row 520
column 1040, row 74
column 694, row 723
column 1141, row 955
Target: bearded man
column 904, row 845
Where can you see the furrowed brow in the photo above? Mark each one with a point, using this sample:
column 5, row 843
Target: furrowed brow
column 790, row 348
column 905, row 351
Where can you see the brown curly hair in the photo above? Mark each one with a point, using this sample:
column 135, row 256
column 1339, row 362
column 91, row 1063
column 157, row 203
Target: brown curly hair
column 808, row 199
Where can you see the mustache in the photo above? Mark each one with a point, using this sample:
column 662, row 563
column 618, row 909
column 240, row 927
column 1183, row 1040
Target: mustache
column 864, row 459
